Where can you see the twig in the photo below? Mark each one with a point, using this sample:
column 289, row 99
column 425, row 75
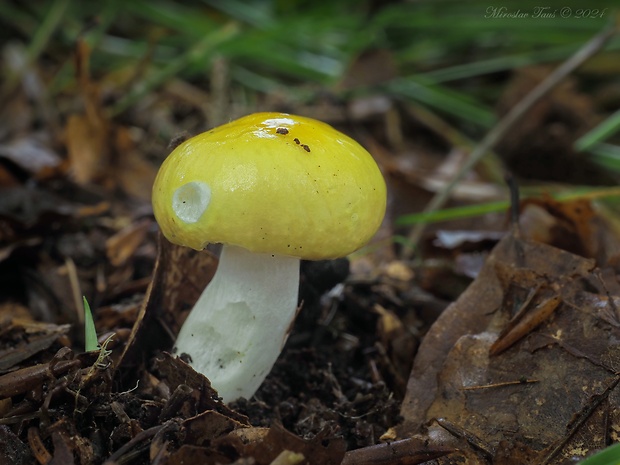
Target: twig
column 138, row 444
column 514, row 199
column 518, row 382
column 506, row 123
column 408, row 451
column 477, row 443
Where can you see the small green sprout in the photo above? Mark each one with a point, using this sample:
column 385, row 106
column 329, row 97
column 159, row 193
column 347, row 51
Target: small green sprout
column 89, row 329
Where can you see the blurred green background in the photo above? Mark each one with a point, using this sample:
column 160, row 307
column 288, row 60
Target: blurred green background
column 448, row 62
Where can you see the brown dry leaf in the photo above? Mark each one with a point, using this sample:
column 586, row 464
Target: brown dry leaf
column 179, row 277
column 207, row 426
column 134, row 173
column 10, row 311
column 175, row 372
column 87, row 148
column 323, row 449
column 100, row 151
column 87, row 135
column 122, row 245
column 398, row 271
column 572, row 227
column 118, row 317
column 194, row 454
column 92, row 210
column 199, row 433
column 32, row 338
column 551, row 394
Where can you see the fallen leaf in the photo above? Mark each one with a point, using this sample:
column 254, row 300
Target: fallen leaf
column 207, row 426
column 176, row 373
column 122, row 245
column 31, row 154
column 32, row 344
column 179, row 277
column 88, row 134
column 552, row 391
column 264, row 445
column 87, row 147
column 134, row 173
column 572, row 227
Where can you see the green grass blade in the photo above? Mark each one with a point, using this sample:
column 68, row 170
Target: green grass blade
column 600, row 133
column 496, row 64
column 254, row 13
column 606, row 155
column 190, row 22
column 609, row 456
column 443, row 99
column 469, row 211
column 452, row 213
column 50, row 23
column 89, row 329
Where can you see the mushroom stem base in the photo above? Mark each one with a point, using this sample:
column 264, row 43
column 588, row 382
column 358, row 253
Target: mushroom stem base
column 241, row 321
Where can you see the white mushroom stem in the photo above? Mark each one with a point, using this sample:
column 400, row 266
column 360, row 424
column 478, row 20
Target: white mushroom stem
column 240, row 323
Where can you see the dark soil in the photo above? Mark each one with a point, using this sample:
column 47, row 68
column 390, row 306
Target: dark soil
column 337, row 379
column 328, row 375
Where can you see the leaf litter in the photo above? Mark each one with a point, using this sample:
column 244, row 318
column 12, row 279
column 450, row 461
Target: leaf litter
column 522, row 368
column 528, row 356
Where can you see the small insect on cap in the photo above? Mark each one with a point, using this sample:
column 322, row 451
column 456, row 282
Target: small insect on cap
column 271, row 183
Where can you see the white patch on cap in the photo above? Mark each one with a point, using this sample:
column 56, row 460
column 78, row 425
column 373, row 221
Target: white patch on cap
column 191, row 200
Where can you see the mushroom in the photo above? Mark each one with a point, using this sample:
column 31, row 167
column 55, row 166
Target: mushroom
column 273, row 189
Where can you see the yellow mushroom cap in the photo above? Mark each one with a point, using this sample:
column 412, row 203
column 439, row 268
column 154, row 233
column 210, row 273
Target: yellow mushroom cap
column 271, row 183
